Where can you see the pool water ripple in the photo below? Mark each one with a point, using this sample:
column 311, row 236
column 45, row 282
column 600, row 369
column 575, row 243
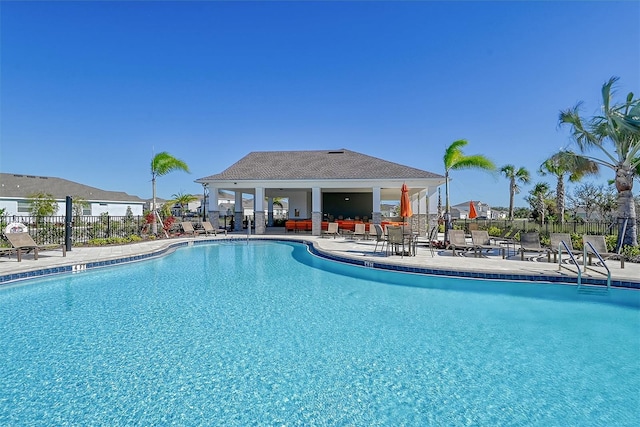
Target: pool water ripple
column 264, row 334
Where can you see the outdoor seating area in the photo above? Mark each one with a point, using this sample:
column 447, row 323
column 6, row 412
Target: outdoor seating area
column 344, row 225
column 22, row 243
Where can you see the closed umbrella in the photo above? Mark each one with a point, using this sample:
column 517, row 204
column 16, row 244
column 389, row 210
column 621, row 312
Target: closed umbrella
column 472, row 211
column 405, row 207
column 405, row 203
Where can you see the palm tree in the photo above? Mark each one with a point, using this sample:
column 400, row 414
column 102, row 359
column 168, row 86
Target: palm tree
column 161, row 164
column 540, row 192
column 183, row 200
column 566, row 163
column 616, row 136
column 455, row 159
column 514, row 175
column 277, row 201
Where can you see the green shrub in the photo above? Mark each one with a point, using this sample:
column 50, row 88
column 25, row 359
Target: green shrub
column 631, row 253
column 576, row 241
column 494, row 231
column 611, row 242
column 114, row 240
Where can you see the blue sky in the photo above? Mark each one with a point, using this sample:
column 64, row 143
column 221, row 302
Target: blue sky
column 90, row 90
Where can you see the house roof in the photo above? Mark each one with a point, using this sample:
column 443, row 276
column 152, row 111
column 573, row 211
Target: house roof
column 23, row 186
column 316, row 164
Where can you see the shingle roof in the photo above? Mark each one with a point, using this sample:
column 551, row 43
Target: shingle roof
column 23, row 186
column 316, row 164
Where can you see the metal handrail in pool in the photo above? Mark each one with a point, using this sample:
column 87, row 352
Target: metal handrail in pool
column 560, row 245
column 584, row 257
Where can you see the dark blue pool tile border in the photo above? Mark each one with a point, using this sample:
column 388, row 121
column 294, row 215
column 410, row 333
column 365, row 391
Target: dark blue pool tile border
column 87, row 266
column 468, row 274
column 323, row 254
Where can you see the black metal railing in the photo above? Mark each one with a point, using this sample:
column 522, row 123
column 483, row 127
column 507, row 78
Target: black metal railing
column 573, row 227
column 51, row 229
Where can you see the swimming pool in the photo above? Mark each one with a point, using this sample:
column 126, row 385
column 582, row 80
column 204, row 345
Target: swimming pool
column 267, row 334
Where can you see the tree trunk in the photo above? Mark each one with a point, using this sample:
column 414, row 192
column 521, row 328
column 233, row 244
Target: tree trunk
column 154, row 225
column 541, row 208
column 560, row 199
column 447, row 208
column 512, row 192
column 627, row 233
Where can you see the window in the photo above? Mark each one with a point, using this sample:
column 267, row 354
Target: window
column 24, row 206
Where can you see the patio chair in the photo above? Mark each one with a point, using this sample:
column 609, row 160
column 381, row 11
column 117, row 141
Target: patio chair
column 396, row 240
column 187, row 228
column 208, row 229
column 380, row 237
column 530, row 242
column 24, row 243
column 458, row 241
column 600, row 245
column 555, row 242
column 332, row 230
column 482, row 241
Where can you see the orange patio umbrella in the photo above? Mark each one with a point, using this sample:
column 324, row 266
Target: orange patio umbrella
column 405, row 203
column 472, row 210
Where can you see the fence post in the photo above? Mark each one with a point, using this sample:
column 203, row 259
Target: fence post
column 68, row 229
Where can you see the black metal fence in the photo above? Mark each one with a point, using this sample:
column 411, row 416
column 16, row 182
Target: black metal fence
column 575, row 227
column 49, row 230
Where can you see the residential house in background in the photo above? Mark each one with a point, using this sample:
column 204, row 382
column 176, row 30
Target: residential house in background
column 461, row 210
column 16, row 191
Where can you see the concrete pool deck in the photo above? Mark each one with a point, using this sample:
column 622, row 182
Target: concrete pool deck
column 362, row 251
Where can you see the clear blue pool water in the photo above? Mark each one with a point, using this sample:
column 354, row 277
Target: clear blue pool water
column 265, row 334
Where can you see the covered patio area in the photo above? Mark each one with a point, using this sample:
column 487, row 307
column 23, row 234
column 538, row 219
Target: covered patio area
column 320, row 186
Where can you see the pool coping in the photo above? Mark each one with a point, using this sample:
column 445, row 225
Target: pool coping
column 316, row 250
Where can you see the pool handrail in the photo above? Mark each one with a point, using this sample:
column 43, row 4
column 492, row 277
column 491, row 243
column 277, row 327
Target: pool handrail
column 560, row 266
column 608, row 274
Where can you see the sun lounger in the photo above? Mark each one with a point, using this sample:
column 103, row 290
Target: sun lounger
column 360, row 231
column 332, row 230
column 530, row 242
column 555, row 242
column 187, row 227
column 458, row 241
column 208, row 229
column 600, row 245
column 23, row 243
column 7, row 252
column 482, row 241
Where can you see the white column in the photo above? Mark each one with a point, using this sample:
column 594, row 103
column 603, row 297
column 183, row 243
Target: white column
column 212, row 207
column 376, row 216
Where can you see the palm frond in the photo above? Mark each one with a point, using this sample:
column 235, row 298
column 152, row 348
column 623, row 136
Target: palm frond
column 475, row 161
column 163, row 163
column 453, row 152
